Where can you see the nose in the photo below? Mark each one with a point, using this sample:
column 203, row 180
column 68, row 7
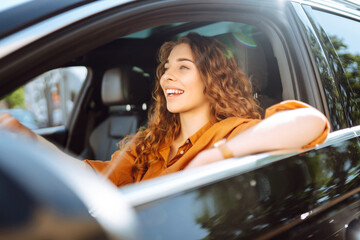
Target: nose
column 169, row 75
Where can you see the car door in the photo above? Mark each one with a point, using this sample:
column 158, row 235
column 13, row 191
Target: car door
column 338, row 30
column 312, row 195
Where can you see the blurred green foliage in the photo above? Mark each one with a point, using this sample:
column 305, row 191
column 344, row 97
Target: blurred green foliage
column 16, row 99
column 350, row 62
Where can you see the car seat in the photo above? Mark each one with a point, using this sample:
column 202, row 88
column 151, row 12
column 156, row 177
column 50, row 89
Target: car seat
column 124, row 90
column 259, row 64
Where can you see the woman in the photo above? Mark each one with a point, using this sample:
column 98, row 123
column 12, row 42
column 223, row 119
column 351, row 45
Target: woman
column 203, row 99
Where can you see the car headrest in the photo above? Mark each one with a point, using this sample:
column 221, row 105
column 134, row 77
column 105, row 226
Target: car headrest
column 252, row 61
column 123, row 85
column 250, row 58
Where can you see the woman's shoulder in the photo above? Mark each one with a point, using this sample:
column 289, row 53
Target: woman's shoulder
column 234, row 122
column 228, row 126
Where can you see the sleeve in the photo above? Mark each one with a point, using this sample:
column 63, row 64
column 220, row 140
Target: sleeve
column 291, row 105
column 119, row 169
column 245, row 124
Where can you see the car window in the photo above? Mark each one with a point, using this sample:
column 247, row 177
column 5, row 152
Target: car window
column 47, row 100
column 344, row 36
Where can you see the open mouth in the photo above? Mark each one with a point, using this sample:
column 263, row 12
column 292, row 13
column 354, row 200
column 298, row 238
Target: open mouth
column 174, row 92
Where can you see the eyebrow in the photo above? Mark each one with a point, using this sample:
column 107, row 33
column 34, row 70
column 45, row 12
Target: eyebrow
column 184, row 59
column 180, row 60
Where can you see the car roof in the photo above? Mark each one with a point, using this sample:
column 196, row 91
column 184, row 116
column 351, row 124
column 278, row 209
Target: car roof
column 342, row 4
column 31, row 12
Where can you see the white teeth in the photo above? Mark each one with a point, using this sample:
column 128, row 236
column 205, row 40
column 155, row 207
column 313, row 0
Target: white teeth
column 174, row 91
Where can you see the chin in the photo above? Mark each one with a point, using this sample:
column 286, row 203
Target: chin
column 173, row 109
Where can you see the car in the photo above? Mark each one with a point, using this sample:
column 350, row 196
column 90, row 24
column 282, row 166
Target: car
column 291, row 49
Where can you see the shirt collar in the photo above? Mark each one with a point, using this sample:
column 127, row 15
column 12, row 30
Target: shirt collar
column 164, row 152
column 199, row 133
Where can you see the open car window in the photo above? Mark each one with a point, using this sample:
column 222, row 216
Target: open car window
column 136, row 54
column 47, row 100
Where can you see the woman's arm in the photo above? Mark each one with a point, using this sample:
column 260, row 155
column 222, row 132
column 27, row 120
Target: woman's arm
column 285, row 130
column 8, row 122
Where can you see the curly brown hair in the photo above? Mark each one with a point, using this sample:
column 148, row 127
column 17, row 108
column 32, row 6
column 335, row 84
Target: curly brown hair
column 226, row 86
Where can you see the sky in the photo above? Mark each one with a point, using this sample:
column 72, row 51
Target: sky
column 345, row 29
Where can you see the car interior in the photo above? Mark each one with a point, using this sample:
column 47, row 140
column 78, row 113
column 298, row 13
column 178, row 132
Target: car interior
column 116, row 95
column 123, row 74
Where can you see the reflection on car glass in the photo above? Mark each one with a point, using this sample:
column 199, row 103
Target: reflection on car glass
column 344, row 35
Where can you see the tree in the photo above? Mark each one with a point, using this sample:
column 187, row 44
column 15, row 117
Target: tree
column 351, row 66
column 16, row 99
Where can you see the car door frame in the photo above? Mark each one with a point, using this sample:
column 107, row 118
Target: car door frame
column 118, row 16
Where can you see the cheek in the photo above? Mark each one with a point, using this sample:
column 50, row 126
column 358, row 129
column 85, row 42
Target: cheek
column 161, row 83
column 199, row 86
column 200, row 91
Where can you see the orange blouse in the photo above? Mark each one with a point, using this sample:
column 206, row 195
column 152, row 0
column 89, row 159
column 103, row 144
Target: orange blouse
column 119, row 168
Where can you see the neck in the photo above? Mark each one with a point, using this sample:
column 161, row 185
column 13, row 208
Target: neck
column 191, row 123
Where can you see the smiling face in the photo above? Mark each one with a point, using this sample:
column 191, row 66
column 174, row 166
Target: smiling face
column 182, row 84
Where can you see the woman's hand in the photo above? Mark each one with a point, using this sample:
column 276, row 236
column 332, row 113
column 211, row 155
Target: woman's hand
column 9, row 122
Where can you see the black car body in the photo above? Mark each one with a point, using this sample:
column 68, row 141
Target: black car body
column 304, row 50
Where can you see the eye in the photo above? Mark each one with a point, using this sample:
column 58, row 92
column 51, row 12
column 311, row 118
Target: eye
column 183, row 67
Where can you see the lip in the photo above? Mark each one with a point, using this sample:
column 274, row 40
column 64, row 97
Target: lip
column 172, row 87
